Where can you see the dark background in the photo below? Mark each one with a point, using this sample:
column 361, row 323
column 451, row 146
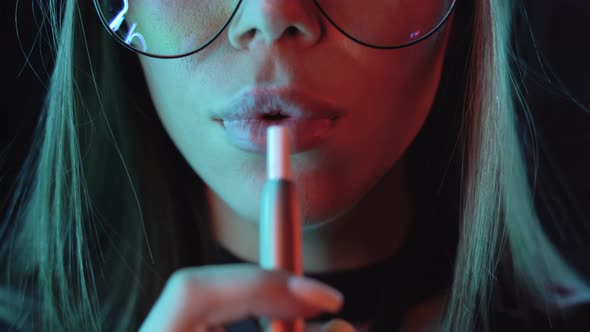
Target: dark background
column 554, row 90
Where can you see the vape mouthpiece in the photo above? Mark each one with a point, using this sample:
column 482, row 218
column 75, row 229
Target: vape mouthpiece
column 278, row 145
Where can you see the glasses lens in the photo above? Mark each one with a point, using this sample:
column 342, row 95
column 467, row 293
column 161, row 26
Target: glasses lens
column 164, row 27
column 387, row 23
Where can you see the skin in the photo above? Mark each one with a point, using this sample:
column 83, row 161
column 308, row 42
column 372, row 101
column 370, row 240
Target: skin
column 387, row 95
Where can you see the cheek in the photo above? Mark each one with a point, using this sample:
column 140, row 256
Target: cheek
column 183, row 101
column 186, row 122
column 403, row 97
column 394, row 91
column 164, row 81
column 175, row 94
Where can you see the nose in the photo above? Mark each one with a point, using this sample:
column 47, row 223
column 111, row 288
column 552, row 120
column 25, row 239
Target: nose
column 273, row 21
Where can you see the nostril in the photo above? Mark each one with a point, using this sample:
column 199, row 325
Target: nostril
column 291, row 31
column 250, row 34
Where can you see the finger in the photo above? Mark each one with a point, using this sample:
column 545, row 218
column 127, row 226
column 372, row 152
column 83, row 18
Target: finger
column 337, row 325
column 204, row 328
column 220, row 294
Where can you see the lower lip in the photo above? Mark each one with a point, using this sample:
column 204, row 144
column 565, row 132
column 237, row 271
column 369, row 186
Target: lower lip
column 250, row 135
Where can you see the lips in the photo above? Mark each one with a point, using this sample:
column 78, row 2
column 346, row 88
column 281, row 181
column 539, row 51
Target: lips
column 246, row 118
column 261, row 103
column 250, row 135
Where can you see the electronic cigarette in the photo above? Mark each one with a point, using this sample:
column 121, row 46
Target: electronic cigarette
column 280, row 217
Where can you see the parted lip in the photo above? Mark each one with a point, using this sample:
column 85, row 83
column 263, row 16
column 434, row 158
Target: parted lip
column 264, row 103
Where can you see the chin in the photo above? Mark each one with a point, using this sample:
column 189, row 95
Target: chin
column 322, row 213
column 315, row 212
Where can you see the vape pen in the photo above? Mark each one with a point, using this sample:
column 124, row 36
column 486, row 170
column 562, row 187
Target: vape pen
column 280, row 217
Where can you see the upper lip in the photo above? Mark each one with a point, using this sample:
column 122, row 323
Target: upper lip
column 287, row 102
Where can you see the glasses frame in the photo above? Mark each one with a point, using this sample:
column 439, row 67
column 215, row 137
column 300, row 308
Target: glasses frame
column 334, row 24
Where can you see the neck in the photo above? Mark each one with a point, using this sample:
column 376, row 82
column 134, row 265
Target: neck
column 373, row 230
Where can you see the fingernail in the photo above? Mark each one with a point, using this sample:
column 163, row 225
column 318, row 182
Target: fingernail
column 316, row 293
column 339, row 325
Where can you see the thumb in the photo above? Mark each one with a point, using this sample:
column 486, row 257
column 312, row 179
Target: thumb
column 337, row 325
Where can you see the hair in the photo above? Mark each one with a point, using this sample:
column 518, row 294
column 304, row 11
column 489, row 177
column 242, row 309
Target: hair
column 96, row 212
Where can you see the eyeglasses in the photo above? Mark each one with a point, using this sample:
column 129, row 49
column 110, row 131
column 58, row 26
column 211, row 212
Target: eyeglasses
column 177, row 28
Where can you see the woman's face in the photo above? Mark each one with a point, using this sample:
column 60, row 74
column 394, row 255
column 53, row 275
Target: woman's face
column 382, row 98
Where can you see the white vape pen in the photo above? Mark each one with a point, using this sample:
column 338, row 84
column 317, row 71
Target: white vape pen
column 280, row 217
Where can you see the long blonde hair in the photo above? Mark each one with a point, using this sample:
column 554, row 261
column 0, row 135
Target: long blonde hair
column 499, row 221
column 95, row 190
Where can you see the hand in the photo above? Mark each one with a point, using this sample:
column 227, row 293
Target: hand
column 207, row 297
